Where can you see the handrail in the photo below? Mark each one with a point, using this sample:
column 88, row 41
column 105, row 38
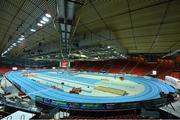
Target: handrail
column 124, row 67
column 134, row 67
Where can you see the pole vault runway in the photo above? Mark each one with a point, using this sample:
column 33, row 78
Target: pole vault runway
column 96, row 90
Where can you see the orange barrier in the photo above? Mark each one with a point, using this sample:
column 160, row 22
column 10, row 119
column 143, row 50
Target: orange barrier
column 75, row 90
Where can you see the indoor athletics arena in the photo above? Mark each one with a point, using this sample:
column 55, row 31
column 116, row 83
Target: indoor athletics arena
column 89, row 59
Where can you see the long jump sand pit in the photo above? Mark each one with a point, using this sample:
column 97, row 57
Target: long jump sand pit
column 110, row 90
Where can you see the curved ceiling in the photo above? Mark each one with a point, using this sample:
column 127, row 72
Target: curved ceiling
column 138, row 26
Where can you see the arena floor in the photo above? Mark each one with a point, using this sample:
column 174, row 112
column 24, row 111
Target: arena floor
column 95, row 87
column 91, row 84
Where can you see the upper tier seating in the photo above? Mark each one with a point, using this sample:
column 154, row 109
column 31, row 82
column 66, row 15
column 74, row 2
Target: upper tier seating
column 117, row 66
column 97, row 66
column 4, row 70
column 107, row 66
column 175, row 74
column 143, row 69
column 127, row 66
column 164, row 70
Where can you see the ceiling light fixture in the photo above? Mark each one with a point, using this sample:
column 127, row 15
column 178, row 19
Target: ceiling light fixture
column 32, row 30
column 21, row 39
column 63, row 34
column 22, row 36
column 48, row 15
column 14, row 44
column 9, row 49
column 67, row 35
column 68, row 28
column 45, row 19
column 39, row 24
column 62, row 27
column 108, row 46
column 43, row 22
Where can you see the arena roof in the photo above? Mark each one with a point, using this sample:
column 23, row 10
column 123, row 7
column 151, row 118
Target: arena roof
column 127, row 26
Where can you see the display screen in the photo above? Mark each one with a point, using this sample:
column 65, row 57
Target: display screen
column 154, row 72
column 110, row 106
column 64, row 63
column 92, row 106
column 59, row 103
column 86, row 106
column 74, row 105
column 14, row 68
